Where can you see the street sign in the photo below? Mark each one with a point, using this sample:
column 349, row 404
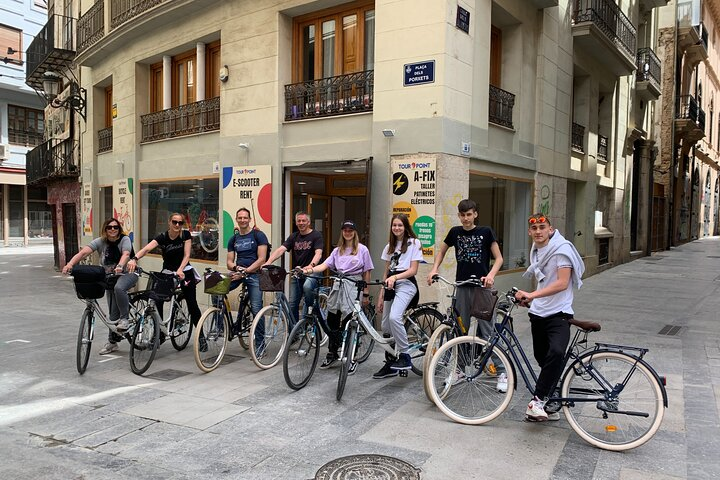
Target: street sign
column 419, row 73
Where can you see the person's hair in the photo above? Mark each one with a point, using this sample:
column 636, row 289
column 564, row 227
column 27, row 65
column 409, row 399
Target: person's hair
column 297, row 214
column 539, row 216
column 407, row 234
column 467, row 205
column 355, row 242
column 241, row 209
column 176, row 214
column 103, row 233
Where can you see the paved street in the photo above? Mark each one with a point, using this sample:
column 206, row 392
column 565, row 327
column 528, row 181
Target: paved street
column 242, row 423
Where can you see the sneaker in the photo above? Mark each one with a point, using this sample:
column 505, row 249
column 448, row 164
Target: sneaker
column 404, row 362
column 122, row 325
column 330, row 360
column 553, row 416
column 108, row 348
column 202, row 344
column 457, row 378
column 536, row 411
column 353, row 367
column 385, row 372
column 502, row 383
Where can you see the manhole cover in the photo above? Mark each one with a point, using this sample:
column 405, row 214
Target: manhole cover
column 367, row 467
column 168, row 374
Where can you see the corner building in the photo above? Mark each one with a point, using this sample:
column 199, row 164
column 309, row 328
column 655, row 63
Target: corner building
column 521, row 105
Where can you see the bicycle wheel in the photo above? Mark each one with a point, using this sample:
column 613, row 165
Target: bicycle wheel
column 181, row 324
column 210, row 339
column 440, row 337
column 365, row 344
column 604, row 420
column 461, row 386
column 244, row 323
column 145, row 341
column 419, row 330
column 346, row 360
column 301, row 354
column 84, row 340
column 269, row 332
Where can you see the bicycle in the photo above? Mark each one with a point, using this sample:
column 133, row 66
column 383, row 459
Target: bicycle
column 611, row 396
column 216, row 325
column 177, row 325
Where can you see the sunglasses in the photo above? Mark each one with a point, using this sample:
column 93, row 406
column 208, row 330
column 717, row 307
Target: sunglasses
column 112, row 227
column 177, row 222
column 540, row 219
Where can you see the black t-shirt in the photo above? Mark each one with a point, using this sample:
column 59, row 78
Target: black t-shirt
column 173, row 251
column 472, row 250
column 302, row 247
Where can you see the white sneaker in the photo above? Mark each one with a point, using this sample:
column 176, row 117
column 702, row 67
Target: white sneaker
column 536, row 411
column 553, row 416
column 502, row 383
column 108, row 348
column 122, row 325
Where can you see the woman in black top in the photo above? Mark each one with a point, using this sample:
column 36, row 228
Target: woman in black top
column 175, row 244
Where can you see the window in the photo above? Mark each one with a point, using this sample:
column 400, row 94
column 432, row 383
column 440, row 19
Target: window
column 25, row 126
column 108, row 107
column 39, row 213
column 212, row 70
column 196, row 200
column 183, row 79
column 11, row 41
column 495, row 56
column 504, row 205
column 334, row 41
column 41, row 4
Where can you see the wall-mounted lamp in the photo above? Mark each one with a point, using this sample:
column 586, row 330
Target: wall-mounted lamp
column 224, row 73
column 77, row 100
column 388, row 132
column 244, row 146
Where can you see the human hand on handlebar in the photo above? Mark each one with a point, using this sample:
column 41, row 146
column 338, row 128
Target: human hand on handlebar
column 523, row 298
column 431, row 276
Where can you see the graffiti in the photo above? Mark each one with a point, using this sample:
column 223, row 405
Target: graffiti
column 545, row 200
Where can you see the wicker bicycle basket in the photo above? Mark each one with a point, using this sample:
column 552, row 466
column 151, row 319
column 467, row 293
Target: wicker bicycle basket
column 216, row 283
column 272, row 279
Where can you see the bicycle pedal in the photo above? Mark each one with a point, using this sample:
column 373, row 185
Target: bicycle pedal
column 403, row 373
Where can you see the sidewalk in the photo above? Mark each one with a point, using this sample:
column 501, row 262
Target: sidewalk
column 37, row 249
column 242, row 423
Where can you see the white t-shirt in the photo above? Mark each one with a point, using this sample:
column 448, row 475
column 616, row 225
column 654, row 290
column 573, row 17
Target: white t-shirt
column 413, row 252
column 561, row 301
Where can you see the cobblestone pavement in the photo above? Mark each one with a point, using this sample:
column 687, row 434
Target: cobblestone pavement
column 242, row 423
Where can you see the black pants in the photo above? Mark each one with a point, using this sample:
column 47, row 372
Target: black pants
column 190, row 294
column 335, row 334
column 551, row 336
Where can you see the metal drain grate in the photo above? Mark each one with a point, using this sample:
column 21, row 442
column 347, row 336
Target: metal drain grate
column 166, row 375
column 369, row 467
column 670, row 330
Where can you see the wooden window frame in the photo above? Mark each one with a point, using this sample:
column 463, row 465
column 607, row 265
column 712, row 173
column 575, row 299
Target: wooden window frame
column 178, row 60
column 15, row 58
column 156, row 88
column 39, row 114
column 495, row 56
column 212, row 71
column 108, row 106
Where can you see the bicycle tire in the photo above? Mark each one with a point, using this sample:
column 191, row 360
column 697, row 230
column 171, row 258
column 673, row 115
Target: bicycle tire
column 301, row 354
column 426, row 320
column 365, row 345
column 210, row 242
column 180, row 324
column 244, row 324
column 145, row 341
column 84, row 340
column 268, row 335
column 212, row 331
column 345, row 361
column 471, row 402
column 440, row 336
column 642, row 393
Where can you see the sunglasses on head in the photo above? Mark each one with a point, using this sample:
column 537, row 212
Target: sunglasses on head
column 538, row 219
column 112, row 227
column 177, row 222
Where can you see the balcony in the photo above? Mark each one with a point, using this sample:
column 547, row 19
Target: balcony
column 105, row 140
column 539, row 4
column 190, row 119
column 602, row 153
column 46, row 163
column 647, row 77
column 688, row 119
column 603, row 31
column 501, row 107
column 327, row 97
column 91, row 26
column 693, row 41
column 53, row 49
column 577, row 140
column 647, row 5
column 122, row 11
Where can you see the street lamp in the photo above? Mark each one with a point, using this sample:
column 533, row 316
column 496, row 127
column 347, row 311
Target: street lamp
column 77, row 100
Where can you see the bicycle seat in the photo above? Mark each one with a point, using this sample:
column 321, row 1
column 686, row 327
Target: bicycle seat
column 586, row 325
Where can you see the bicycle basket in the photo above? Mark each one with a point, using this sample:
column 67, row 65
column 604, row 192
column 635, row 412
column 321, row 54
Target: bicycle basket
column 89, row 281
column 216, row 283
column 161, row 286
column 272, row 279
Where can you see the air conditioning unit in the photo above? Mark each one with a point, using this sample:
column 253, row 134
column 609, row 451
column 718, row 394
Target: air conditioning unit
column 4, row 151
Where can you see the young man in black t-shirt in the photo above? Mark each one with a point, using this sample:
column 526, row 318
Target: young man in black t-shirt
column 473, row 246
column 306, row 248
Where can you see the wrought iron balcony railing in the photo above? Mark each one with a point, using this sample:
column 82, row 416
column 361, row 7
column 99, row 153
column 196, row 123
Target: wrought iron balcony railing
column 340, row 95
column 701, row 119
column 91, row 26
column 578, row 138
column 602, row 148
column 52, row 49
column 45, row 163
column 648, row 67
column 703, row 34
column 105, row 140
column 686, row 108
column 27, row 139
column 198, row 117
column 607, row 16
column 123, row 10
column 501, row 107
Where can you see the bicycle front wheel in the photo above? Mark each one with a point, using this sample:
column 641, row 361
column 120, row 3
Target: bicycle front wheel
column 440, row 337
column 345, row 361
column 244, row 323
column 268, row 335
column 419, row 328
column 145, row 341
column 84, row 340
column 464, row 380
column 210, row 339
column 301, row 353
column 607, row 420
column 181, row 325
column 365, row 344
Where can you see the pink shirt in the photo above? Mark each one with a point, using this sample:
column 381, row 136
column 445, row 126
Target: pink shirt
column 350, row 264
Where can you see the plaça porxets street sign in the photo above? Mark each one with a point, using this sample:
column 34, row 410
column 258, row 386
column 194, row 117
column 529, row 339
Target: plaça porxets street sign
column 419, row 73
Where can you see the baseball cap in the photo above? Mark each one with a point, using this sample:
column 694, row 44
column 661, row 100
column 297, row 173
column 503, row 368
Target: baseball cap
column 348, row 224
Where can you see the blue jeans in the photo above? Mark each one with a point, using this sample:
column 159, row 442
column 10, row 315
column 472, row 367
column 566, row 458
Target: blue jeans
column 252, row 281
column 298, row 289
